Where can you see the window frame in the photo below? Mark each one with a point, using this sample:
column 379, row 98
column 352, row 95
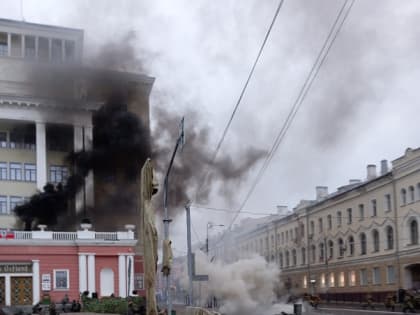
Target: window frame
column 67, row 271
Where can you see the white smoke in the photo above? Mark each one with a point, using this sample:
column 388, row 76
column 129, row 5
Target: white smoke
column 245, row 287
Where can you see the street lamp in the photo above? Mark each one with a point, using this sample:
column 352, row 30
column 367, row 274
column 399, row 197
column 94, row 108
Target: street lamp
column 210, row 225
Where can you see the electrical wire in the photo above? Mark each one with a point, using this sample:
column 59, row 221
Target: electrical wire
column 322, row 55
column 241, row 95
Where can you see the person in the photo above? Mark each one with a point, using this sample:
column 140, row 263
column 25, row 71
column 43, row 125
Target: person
column 390, row 302
column 408, row 304
column 64, row 302
column 369, row 301
column 53, row 310
column 36, row 309
column 78, row 306
column 73, row 306
column 314, row 301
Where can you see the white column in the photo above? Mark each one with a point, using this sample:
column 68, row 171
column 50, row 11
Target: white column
column 8, row 290
column 78, row 146
column 63, row 50
column 91, row 273
column 121, row 276
column 36, row 293
column 49, row 48
column 36, row 46
column 131, row 280
column 88, row 134
column 82, row 273
column 9, row 44
column 41, row 156
column 23, row 46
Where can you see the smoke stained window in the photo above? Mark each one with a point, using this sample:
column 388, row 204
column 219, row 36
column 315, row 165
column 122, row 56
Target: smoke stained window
column 58, row 174
column 43, row 49
column 14, row 202
column 56, row 50
column 30, row 52
column 16, row 45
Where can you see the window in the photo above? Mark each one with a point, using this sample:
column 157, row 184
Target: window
column 16, row 45
column 287, row 236
column 312, row 227
column 390, row 274
column 363, row 277
column 341, row 247
column 329, row 221
column 4, row 48
column 313, row 251
column 376, row 275
column 411, row 194
column 58, row 174
column 30, row 172
column 349, row 216
column 294, row 257
column 352, row 278
column 61, row 279
column 281, row 260
column 374, row 208
column 361, row 212
column 414, row 232
column 3, row 139
column 351, row 245
column 15, row 171
column 403, row 196
column 139, row 281
column 287, row 259
column 302, row 230
column 30, row 47
column 388, row 206
column 303, row 255
column 282, row 237
column 389, row 237
column 14, row 202
column 418, row 191
column 320, row 224
column 43, row 49
column 332, row 280
column 341, row 279
column 321, row 252
column 56, row 50
column 3, row 171
column 362, row 244
column 69, row 50
column 330, row 249
column 375, row 239
column 322, row 280
column 305, row 282
column 3, row 205
column 339, row 218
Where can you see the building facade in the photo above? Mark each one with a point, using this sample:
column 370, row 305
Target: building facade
column 44, row 114
column 361, row 239
column 36, row 263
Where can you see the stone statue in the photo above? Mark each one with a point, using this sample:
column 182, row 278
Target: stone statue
column 149, row 232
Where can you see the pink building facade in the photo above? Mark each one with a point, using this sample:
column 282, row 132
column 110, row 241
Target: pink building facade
column 57, row 263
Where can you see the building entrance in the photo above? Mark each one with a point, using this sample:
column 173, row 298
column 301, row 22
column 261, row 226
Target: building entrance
column 21, row 290
column 413, row 276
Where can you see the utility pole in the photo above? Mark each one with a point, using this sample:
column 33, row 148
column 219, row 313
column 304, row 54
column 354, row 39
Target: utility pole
column 189, row 256
column 179, row 142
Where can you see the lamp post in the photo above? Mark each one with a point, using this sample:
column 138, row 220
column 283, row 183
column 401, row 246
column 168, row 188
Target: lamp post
column 210, row 225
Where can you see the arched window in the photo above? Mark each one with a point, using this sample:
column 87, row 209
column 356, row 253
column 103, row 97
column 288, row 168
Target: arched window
column 389, row 237
column 362, row 238
column 375, row 239
column 312, row 226
column 414, row 232
column 321, row 252
column 313, row 253
column 287, row 259
column 403, row 196
column 330, row 249
column 339, row 218
column 294, row 257
column 351, row 245
column 340, row 247
column 303, row 255
column 329, row 221
column 411, row 194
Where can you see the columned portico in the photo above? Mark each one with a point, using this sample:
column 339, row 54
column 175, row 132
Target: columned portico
column 41, row 156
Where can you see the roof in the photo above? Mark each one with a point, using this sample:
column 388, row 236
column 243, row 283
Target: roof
column 37, row 26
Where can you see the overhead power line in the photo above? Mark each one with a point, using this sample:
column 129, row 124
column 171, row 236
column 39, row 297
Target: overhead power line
column 322, row 55
column 238, row 102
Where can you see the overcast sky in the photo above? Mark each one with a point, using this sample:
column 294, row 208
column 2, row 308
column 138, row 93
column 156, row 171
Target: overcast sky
column 362, row 108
